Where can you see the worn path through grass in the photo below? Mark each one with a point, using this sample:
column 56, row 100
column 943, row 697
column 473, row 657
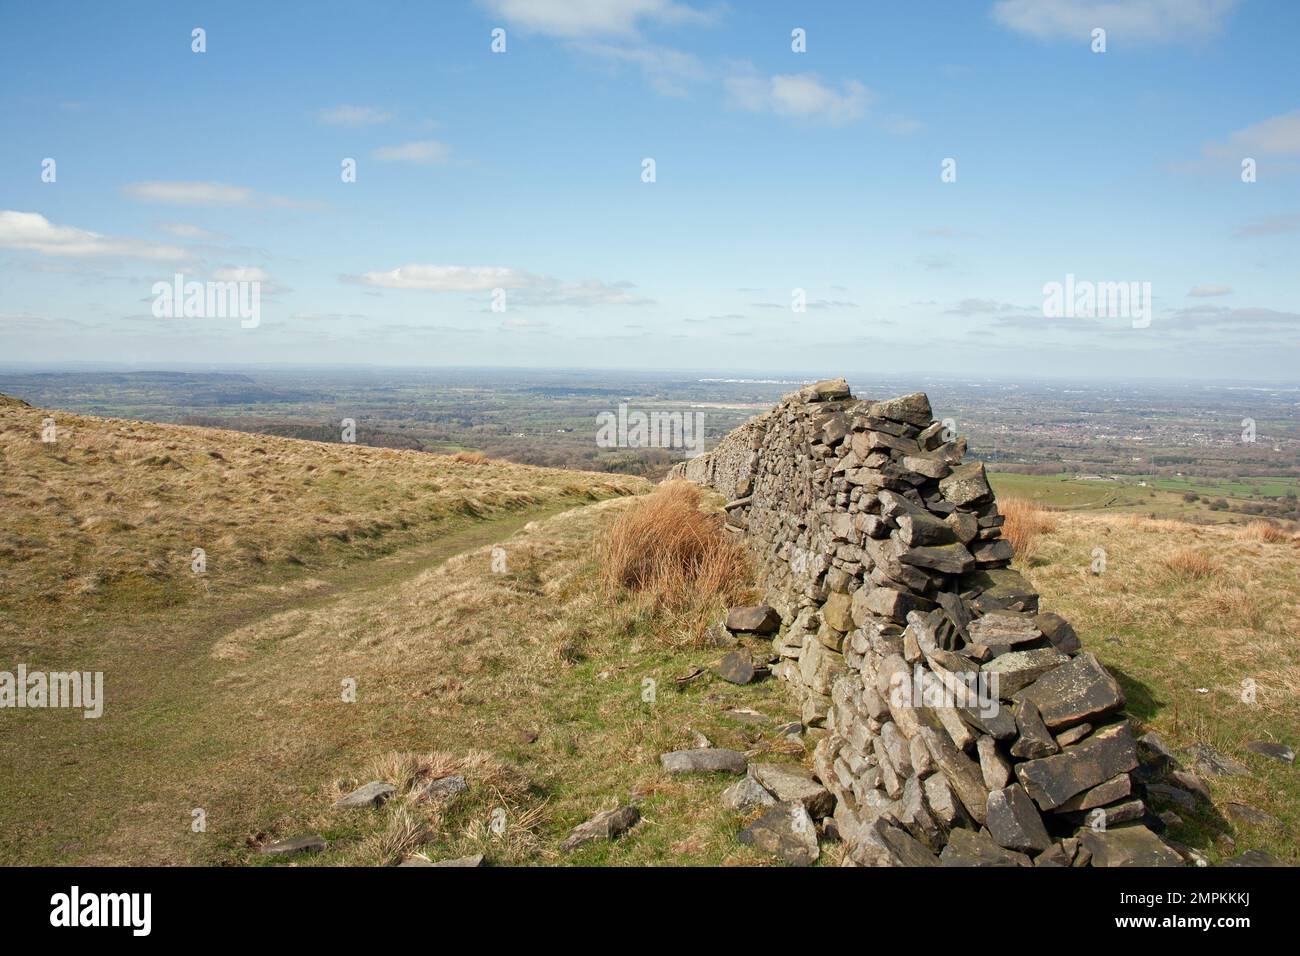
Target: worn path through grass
column 91, row 791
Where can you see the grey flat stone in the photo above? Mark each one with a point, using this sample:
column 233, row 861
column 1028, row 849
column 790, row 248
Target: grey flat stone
column 704, row 760
column 791, row 785
column 442, row 790
column 608, row 825
column 1079, row 691
column 1128, row 846
column 1279, row 752
column 373, row 794
column 1053, row 780
column 785, row 830
column 313, row 843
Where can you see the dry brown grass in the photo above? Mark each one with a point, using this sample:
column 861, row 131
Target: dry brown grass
column 1189, row 564
column 668, row 550
column 1266, row 531
column 1025, row 523
column 471, row 457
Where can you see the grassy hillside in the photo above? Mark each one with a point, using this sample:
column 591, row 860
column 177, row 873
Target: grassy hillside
column 102, row 523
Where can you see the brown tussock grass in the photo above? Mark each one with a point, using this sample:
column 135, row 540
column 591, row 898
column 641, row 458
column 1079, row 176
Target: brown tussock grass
column 1024, row 523
column 665, row 549
column 1266, row 532
column 1189, row 564
column 471, row 457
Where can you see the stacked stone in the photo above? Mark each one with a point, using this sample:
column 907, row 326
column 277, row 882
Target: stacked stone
column 883, row 554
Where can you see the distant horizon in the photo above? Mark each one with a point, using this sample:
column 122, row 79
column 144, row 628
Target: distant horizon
column 722, row 376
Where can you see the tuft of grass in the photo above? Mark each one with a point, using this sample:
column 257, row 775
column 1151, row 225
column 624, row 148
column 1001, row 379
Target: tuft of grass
column 670, row 553
column 1189, row 564
column 1266, row 532
column 1024, row 523
column 471, row 457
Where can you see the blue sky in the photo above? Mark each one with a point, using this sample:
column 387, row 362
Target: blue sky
column 774, row 171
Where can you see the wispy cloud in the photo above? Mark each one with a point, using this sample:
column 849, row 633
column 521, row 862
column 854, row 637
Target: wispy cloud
column 802, row 96
column 1131, row 20
column 421, row 152
column 529, row 288
column 1208, row 291
column 184, row 230
column 192, row 193
column 591, row 18
column 353, row 116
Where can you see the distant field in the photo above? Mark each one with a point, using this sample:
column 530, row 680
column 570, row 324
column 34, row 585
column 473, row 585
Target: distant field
column 1161, row 496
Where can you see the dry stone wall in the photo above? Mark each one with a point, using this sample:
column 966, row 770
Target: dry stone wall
column 962, row 723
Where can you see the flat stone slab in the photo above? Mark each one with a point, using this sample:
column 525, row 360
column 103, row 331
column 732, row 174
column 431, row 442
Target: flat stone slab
column 737, row 667
column 1020, row 669
column 746, row 794
column 373, row 794
column 785, row 830
column 1081, row 690
column 754, row 619
column 1253, row 816
column 1209, row 762
column 966, row 484
column 704, row 760
column 1051, row 781
column 1003, row 627
column 313, row 843
column 1279, row 752
column 1128, row 846
column 969, row 848
column 442, row 790
column 608, row 825
column 1014, row 823
column 913, row 409
column 790, row 785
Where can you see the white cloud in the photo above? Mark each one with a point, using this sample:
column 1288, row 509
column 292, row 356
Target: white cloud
column 1209, row 291
column 530, row 289
column 800, row 96
column 353, row 116
column 1123, row 20
column 33, row 232
column 589, row 18
column 183, row 230
column 422, row 151
column 182, row 193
